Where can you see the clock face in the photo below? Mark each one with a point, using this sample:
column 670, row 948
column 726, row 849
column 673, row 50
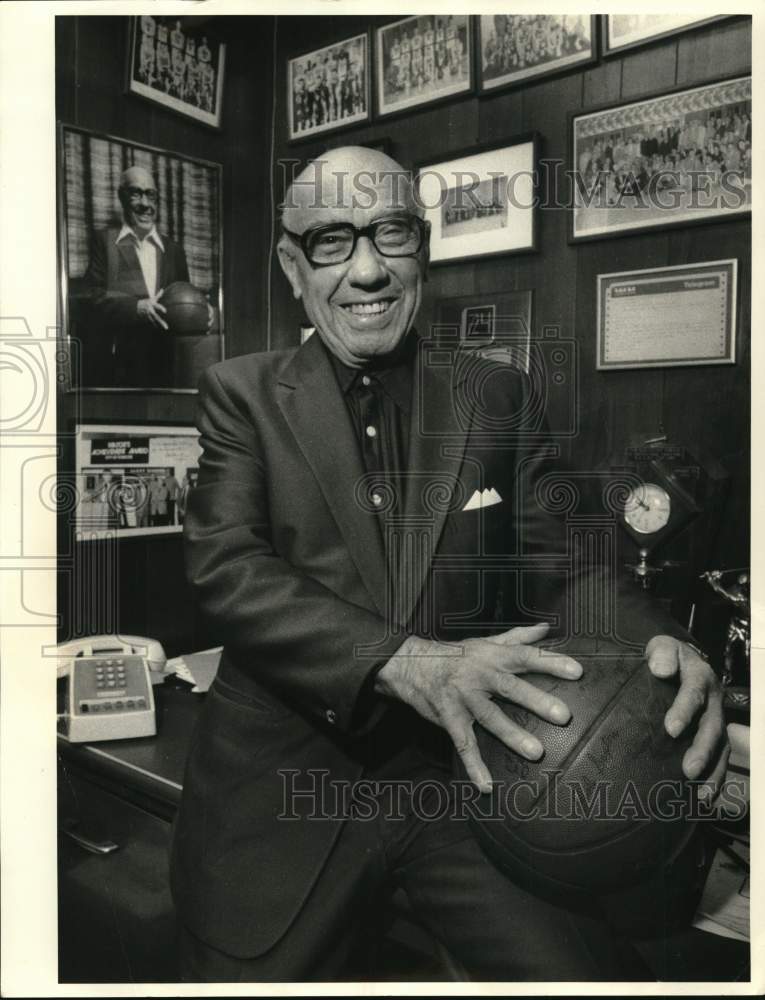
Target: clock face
column 647, row 509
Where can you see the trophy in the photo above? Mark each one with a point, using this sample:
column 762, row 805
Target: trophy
column 738, row 636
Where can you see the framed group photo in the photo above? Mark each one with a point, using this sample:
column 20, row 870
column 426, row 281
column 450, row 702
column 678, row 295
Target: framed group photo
column 483, row 202
column 675, row 159
column 176, row 65
column 109, row 187
column 133, row 479
column 329, row 88
column 516, row 48
column 423, row 59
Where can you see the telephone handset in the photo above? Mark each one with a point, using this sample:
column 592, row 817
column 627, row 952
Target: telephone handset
column 107, row 687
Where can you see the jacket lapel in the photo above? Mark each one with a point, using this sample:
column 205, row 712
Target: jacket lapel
column 440, row 421
column 318, row 417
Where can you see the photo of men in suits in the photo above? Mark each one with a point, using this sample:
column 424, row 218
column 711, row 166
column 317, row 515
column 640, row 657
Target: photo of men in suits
column 335, row 541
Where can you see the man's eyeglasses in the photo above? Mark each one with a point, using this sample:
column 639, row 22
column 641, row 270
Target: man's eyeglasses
column 335, row 243
column 136, row 194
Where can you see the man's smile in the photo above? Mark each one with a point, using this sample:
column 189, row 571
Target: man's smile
column 375, row 308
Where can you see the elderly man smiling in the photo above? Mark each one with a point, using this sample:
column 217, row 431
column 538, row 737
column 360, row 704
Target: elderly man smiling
column 339, row 587
column 130, row 267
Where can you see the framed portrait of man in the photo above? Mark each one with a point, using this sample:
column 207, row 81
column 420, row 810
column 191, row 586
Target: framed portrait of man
column 140, row 251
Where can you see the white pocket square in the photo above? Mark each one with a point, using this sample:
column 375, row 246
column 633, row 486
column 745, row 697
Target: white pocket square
column 484, row 498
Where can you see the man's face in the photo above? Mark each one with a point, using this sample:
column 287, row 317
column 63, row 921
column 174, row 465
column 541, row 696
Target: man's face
column 363, row 308
column 138, row 196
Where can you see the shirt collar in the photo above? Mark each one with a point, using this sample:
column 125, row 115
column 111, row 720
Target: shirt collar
column 395, row 379
column 153, row 235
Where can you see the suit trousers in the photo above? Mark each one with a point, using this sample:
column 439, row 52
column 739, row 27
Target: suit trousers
column 411, row 839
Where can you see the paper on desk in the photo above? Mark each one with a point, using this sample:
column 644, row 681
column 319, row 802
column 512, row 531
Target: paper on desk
column 198, row 669
column 724, row 906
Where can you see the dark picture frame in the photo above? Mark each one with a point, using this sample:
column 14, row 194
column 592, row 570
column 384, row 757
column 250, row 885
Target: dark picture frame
column 189, row 219
column 173, row 62
column 322, row 93
column 443, row 70
column 677, row 158
column 497, row 325
column 664, row 26
column 498, row 43
column 491, row 209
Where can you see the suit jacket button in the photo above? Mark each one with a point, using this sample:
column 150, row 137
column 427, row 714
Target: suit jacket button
column 330, row 716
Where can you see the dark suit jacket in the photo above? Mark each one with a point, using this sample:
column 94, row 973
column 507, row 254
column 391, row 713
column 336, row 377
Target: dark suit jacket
column 286, row 558
column 122, row 348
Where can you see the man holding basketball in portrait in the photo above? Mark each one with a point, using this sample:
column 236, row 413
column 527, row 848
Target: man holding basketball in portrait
column 345, row 502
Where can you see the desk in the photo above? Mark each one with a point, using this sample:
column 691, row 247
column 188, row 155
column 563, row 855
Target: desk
column 116, row 920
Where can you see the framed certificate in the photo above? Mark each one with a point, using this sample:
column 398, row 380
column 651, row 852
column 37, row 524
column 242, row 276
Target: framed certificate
column 668, row 316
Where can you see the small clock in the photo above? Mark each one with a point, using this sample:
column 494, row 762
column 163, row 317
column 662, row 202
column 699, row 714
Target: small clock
column 648, row 508
column 657, row 507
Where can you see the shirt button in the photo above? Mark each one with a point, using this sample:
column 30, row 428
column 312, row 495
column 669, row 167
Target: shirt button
column 371, row 431
column 330, row 716
column 376, row 499
column 366, row 380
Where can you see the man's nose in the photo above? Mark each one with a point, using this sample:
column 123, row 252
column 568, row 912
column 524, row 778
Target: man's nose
column 367, row 266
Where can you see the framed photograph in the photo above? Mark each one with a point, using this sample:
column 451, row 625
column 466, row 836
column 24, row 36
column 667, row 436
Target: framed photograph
column 173, row 62
column 423, row 59
column 626, row 31
column 133, row 479
column 497, row 324
column 668, row 316
column 114, row 198
column 515, row 48
column 680, row 158
column 329, row 88
column 483, row 202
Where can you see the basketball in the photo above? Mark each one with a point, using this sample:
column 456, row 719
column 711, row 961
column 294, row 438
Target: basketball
column 186, row 308
column 607, row 805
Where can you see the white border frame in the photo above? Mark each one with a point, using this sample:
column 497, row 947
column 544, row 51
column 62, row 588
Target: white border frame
column 674, row 271
column 131, row 430
column 365, row 116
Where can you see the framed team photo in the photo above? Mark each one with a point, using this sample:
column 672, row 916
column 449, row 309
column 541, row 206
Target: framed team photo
column 174, row 62
column 329, row 88
column 133, row 479
column 626, row 31
column 423, row 59
column 108, row 342
column 481, row 203
column 680, row 158
column 514, row 48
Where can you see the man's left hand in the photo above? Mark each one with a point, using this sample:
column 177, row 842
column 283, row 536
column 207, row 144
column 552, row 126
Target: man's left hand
column 700, row 695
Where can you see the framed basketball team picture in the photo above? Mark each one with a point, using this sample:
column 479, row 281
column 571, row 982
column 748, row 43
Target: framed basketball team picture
column 174, row 62
column 329, row 88
column 423, row 59
column 515, row 48
column 130, row 323
column 481, row 203
column 680, row 158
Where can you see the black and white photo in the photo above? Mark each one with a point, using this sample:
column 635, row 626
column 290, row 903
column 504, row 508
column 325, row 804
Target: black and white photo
column 329, row 88
column 680, row 158
column 423, row 59
column 519, row 47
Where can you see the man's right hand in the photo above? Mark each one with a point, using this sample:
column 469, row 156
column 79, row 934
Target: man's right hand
column 453, row 686
column 150, row 310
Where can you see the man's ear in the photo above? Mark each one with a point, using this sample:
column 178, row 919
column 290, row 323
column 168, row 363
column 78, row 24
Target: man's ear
column 288, row 261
